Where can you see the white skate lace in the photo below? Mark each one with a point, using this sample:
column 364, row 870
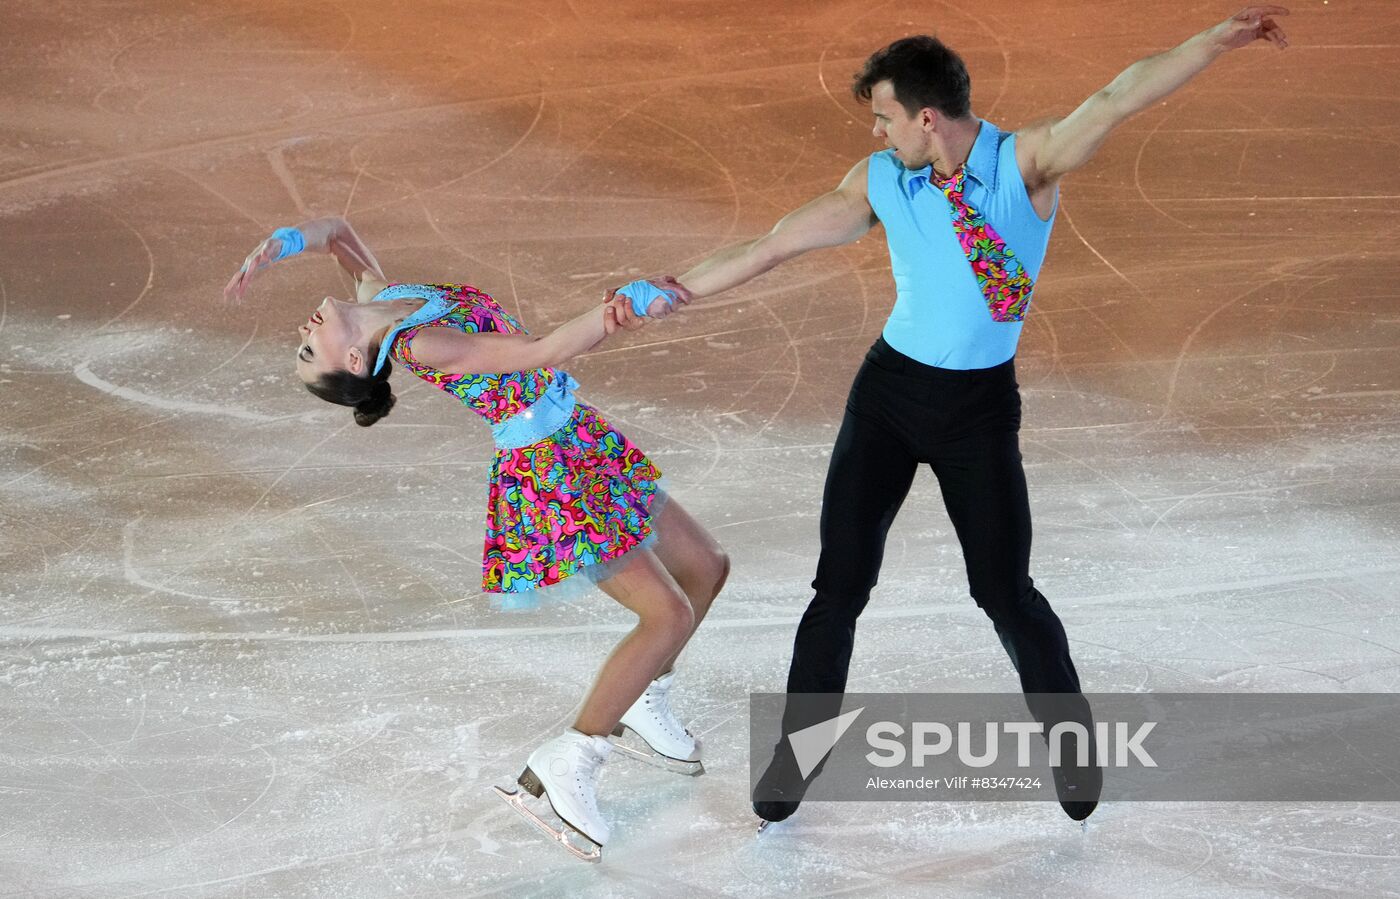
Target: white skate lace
column 660, row 703
column 587, row 773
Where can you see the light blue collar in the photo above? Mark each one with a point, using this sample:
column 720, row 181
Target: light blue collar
column 436, row 306
column 981, row 163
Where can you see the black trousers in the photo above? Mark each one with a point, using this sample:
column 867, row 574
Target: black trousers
column 964, row 425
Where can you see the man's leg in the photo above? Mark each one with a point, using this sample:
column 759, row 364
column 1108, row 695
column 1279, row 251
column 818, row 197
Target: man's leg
column 984, row 489
column 867, row 480
column 866, row 483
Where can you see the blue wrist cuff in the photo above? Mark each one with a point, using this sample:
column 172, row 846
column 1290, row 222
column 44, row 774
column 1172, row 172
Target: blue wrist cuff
column 641, row 293
column 293, row 242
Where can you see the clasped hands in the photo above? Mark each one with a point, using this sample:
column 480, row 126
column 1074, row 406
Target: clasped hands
column 622, row 310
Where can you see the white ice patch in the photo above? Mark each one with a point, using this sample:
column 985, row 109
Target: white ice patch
column 85, row 374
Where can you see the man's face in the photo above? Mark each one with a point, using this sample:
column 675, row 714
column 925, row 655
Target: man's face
column 905, row 134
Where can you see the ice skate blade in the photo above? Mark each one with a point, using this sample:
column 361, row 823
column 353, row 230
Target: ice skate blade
column 516, row 800
column 654, row 758
column 764, row 825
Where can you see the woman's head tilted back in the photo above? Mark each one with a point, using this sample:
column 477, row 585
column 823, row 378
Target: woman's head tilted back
column 336, row 357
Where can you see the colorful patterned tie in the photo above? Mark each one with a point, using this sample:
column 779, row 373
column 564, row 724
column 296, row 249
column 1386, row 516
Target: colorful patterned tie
column 1005, row 285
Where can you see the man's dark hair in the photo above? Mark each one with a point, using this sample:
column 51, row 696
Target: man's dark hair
column 923, row 72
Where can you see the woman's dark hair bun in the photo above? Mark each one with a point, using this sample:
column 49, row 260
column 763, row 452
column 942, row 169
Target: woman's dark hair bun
column 380, row 401
column 370, row 396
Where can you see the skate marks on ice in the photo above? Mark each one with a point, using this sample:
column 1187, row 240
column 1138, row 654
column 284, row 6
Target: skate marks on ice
column 1143, row 849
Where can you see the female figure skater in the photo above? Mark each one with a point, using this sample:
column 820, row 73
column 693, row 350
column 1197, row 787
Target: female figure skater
column 569, row 495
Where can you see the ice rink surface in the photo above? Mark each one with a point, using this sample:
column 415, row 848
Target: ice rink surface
column 243, row 652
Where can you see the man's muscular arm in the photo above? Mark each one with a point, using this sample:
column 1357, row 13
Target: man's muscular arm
column 834, row 218
column 1047, row 151
column 837, row 217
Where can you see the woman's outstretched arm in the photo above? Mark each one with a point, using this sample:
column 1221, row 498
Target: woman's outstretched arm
column 331, row 234
column 454, row 352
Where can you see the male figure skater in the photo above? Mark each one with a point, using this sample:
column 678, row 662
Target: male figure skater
column 967, row 210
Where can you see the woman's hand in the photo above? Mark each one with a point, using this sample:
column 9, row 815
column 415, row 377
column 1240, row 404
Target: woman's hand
column 259, row 259
column 610, row 323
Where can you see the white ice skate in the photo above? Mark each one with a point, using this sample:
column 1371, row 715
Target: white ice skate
column 566, row 771
column 668, row 744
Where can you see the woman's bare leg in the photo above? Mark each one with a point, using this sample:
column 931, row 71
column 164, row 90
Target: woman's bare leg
column 665, row 622
column 694, row 559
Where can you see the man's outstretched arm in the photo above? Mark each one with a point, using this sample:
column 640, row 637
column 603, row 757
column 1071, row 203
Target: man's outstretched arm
column 1050, row 150
column 832, row 219
column 837, row 217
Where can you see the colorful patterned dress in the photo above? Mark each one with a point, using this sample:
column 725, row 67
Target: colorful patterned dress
column 567, row 504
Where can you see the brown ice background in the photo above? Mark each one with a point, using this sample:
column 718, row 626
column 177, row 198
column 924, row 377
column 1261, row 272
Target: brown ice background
column 242, row 649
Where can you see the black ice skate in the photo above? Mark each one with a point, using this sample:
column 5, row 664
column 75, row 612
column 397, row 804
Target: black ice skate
column 1078, row 788
column 781, row 788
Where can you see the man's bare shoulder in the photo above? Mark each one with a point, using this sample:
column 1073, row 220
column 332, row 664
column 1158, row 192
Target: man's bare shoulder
column 1032, row 134
column 1030, row 139
column 855, row 181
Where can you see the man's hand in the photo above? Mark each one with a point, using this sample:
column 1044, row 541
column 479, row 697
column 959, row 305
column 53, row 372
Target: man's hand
column 1251, row 24
column 621, row 304
column 1048, row 151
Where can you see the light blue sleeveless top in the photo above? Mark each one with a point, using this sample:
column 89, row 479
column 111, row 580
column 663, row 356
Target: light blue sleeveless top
column 438, row 304
column 940, row 316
